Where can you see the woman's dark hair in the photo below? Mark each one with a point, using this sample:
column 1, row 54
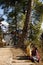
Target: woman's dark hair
column 36, row 48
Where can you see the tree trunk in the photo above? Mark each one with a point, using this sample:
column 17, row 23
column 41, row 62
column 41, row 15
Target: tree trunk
column 25, row 28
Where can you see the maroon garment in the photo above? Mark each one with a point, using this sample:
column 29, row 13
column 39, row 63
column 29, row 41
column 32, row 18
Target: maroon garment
column 34, row 52
column 37, row 55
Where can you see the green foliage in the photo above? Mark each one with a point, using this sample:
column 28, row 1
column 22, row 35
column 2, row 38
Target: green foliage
column 36, row 22
column 35, row 32
column 38, row 6
column 17, row 16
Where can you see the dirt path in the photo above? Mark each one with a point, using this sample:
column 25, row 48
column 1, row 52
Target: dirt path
column 10, row 56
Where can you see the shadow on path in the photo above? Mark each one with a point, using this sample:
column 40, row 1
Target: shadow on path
column 22, row 57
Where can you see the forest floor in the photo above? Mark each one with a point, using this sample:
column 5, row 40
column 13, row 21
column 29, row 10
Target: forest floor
column 14, row 56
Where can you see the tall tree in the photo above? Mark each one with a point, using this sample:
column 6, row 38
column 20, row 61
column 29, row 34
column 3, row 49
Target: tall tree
column 25, row 28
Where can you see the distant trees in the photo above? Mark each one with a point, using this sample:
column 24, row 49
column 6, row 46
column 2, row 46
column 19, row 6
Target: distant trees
column 14, row 9
column 1, row 33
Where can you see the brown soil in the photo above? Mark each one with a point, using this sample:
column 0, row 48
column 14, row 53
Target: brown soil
column 12, row 56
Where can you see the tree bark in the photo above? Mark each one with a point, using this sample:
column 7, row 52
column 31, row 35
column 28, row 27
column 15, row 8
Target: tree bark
column 25, row 28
